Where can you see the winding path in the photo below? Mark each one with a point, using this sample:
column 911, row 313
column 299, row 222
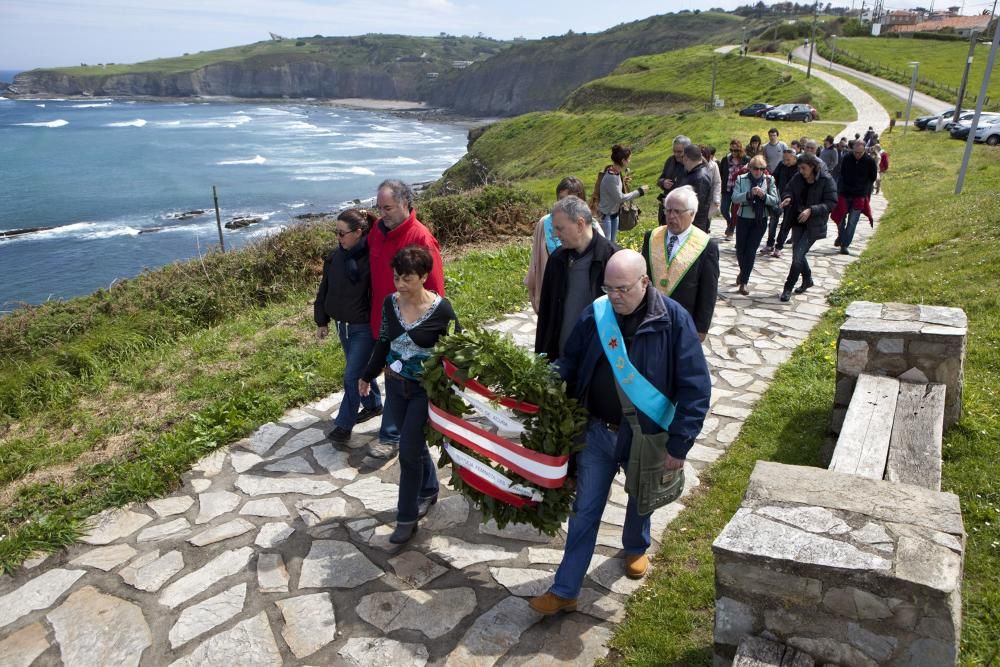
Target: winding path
column 275, row 550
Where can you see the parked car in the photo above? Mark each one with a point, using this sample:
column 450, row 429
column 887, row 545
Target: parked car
column 989, row 133
column 962, row 129
column 756, row 109
column 948, row 122
column 803, row 112
column 921, row 122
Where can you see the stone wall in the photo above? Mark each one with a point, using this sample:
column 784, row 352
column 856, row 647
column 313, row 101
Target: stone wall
column 852, row 571
column 914, row 343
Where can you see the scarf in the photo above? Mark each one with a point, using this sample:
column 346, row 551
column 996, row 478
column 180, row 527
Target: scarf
column 359, row 250
column 759, row 204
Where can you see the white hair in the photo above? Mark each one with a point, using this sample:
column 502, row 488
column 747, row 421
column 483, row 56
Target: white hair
column 687, row 195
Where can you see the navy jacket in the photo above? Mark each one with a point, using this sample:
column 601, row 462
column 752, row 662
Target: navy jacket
column 667, row 352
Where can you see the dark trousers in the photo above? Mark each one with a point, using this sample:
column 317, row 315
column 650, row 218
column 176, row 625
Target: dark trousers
column 801, row 243
column 772, row 225
column 406, row 403
column 749, row 232
column 786, row 227
column 727, row 205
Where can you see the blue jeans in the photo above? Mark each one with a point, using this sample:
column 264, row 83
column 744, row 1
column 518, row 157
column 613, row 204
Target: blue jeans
column 727, row 206
column 356, row 341
column 749, row 232
column 597, row 466
column 800, row 265
column 406, row 403
column 609, row 223
column 848, row 227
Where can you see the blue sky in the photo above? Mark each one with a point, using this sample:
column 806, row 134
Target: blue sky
column 46, row 33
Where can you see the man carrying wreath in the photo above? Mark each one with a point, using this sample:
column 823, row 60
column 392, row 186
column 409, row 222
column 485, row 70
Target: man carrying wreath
column 645, row 345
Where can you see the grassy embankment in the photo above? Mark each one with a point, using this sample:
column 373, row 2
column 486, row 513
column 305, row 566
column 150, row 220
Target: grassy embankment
column 107, row 399
column 940, row 70
column 538, row 149
column 932, row 247
column 362, row 50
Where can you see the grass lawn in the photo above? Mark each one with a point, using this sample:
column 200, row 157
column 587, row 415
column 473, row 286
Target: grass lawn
column 129, row 429
column 682, row 81
column 941, row 64
column 934, row 248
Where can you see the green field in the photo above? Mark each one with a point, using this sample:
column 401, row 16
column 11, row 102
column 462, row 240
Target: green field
column 682, row 81
column 940, row 70
column 363, row 50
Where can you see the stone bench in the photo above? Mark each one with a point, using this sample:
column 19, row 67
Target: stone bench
column 892, row 430
column 850, row 570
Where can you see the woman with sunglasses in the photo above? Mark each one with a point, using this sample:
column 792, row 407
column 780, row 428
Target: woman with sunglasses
column 344, row 297
column 754, row 195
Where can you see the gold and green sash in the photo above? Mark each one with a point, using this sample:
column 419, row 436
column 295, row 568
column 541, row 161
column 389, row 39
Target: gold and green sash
column 667, row 274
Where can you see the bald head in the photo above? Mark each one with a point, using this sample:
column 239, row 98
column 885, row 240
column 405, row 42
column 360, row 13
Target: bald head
column 625, row 281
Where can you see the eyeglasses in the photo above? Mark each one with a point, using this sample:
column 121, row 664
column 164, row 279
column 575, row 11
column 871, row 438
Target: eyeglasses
column 341, row 234
column 677, row 211
column 609, row 289
column 756, row 168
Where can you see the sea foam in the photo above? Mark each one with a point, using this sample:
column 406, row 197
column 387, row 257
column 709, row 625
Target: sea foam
column 258, row 159
column 52, row 123
column 138, row 122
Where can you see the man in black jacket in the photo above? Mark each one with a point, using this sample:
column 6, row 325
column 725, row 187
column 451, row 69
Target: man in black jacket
column 696, row 175
column 573, row 276
column 673, row 172
column 857, row 178
column 783, row 173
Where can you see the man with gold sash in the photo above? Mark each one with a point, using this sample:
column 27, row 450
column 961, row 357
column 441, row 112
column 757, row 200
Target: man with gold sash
column 645, row 344
column 683, row 261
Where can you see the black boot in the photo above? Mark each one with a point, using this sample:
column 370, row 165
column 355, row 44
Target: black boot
column 786, row 295
column 403, row 533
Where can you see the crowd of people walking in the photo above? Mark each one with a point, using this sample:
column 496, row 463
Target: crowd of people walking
column 607, row 316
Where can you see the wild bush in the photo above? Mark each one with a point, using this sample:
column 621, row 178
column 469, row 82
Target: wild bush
column 480, row 214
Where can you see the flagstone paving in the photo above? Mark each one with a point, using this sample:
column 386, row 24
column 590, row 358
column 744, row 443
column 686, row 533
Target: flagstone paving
column 275, row 550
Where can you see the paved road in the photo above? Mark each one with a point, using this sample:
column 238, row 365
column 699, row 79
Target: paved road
column 922, row 100
column 274, row 550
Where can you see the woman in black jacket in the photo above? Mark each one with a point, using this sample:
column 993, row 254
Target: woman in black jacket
column 345, row 296
column 812, row 195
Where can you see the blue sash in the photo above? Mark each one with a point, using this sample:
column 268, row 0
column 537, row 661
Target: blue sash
column 551, row 242
column 639, row 390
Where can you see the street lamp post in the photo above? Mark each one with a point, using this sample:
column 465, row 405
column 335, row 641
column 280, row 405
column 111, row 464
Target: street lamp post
column 909, row 100
column 834, row 55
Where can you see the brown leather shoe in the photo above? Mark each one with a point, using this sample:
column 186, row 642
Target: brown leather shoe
column 550, row 603
column 636, row 566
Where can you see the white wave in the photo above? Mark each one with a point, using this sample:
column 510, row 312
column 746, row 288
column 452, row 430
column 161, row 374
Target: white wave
column 41, row 106
column 298, row 204
column 138, row 122
column 88, row 231
column 270, row 111
column 43, row 99
column 301, row 125
column 90, row 106
column 170, row 123
column 264, row 232
column 383, row 128
column 361, row 171
column 52, row 123
column 330, row 177
column 109, row 233
column 258, row 159
column 397, row 160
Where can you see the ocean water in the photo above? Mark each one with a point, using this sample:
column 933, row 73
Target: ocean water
column 110, row 176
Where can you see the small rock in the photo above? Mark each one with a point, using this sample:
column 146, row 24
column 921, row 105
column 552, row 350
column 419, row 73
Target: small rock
column 610, row 573
column 201, row 485
column 250, row 642
column 22, row 647
column 335, row 462
column 514, row 531
column 523, row 582
column 294, row 464
column 268, row 507
column 171, row 506
column 112, row 525
column 265, row 437
column 299, row 441
column 97, row 629
column 298, row 418
column 243, row 461
column 150, row 571
column 493, row 634
column 415, row 568
column 37, row 593
column 333, row 564
column 164, row 531
column 461, row 554
column 315, row 512
column 365, row 651
column 273, row 534
column 211, row 465
column 374, row 494
column 215, row 504
column 200, row 618
column 253, row 485
column 434, row 613
column 224, row 565
column 225, row 531
column 105, row 558
column 448, row 512
column 272, row 577
column 310, row 623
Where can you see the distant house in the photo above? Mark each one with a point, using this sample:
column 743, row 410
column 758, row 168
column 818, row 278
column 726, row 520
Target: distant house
column 961, row 25
column 900, row 17
column 460, row 64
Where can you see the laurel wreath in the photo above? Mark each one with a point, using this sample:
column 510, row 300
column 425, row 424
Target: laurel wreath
column 508, row 370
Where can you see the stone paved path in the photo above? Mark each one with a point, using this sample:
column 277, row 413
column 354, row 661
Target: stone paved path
column 274, row 551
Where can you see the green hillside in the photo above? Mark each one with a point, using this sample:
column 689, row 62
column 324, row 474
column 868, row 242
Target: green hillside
column 363, row 50
column 940, row 70
column 682, row 81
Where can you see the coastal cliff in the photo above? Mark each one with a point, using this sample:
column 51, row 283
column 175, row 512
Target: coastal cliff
column 472, row 76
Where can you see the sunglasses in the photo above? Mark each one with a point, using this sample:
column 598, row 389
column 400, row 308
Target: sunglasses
column 341, row 234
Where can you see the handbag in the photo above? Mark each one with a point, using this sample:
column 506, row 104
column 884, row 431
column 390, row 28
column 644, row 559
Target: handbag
column 629, row 211
column 645, row 478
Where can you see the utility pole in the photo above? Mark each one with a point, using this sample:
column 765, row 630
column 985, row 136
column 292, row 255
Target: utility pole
column 965, row 75
column 715, row 66
column 909, row 100
column 979, row 110
column 812, row 42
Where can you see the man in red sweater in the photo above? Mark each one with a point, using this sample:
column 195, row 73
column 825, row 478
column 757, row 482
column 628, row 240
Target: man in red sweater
column 397, row 228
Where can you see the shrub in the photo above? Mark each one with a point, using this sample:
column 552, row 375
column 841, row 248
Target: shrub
column 481, row 213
